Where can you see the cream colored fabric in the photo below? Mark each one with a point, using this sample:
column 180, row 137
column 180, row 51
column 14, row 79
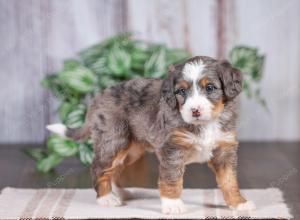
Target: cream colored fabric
column 81, row 204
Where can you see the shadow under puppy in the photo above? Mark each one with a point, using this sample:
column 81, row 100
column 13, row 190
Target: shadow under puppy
column 188, row 117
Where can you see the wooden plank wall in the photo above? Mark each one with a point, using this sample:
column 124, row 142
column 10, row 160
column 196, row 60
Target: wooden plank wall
column 37, row 35
column 274, row 27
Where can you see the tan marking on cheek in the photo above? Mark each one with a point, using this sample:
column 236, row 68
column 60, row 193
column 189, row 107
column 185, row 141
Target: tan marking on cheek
column 180, row 137
column 218, row 108
column 170, row 190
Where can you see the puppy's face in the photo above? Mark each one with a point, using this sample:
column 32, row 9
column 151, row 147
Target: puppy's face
column 200, row 88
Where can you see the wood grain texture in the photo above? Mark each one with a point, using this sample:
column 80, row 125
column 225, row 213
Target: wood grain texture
column 189, row 24
column 273, row 27
column 22, row 98
column 74, row 25
column 37, row 36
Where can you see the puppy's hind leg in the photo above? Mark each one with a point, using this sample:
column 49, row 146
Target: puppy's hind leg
column 135, row 151
column 110, row 149
column 103, row 175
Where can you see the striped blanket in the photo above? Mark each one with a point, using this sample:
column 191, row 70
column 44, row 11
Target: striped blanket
column 81, row 204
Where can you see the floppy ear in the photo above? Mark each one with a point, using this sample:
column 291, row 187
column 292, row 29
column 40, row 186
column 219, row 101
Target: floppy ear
column 231, row 79
column 167, row 88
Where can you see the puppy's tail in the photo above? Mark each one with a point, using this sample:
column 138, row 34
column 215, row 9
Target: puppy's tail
column 73, row 133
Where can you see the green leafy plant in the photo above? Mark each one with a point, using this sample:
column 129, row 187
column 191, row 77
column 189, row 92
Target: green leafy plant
column 103, row 65
column 250, row 62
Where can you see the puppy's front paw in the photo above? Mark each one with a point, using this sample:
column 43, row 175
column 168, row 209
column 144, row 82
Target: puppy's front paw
column 172, row 206
column 109, row 200
column 246, row 206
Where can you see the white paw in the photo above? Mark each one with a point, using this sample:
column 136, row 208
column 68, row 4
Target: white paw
column 172, row 206
column 109, row 200
column 246, row 206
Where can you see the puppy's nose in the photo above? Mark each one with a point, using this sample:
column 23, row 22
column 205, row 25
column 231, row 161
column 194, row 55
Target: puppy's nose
column 196, row 112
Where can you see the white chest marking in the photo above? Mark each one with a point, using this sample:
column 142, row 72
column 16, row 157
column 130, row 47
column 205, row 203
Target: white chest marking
column 205, row 142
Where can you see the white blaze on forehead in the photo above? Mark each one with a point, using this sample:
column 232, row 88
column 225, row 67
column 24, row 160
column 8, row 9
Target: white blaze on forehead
column 192, row 71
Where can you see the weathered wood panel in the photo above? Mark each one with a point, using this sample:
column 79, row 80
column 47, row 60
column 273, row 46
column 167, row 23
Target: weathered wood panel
column 21, row 58
column 189, row 24
column 73, row 25
column 213, row 27
column 36, row 36
column 273, row 27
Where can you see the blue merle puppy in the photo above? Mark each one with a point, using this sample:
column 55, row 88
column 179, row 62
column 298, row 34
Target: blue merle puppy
column 186, row 118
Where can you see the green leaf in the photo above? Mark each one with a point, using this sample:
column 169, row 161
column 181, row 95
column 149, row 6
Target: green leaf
column 156, row 66
column 177, row 56
column 59, row 89
column 53, row 83
column 100, row 65
column 119, row 62
column 247, row 89
column 90, row 55
column 76, row 116
column 86, row 153
column 122, row 40
column 139, row 56
column 36, row 153
column 71, row 64
column 251, row 63
column 106, row 81
column 248, row 61
column 65, row 109
column 48, row 163
column 80, row 79
column 62, row 147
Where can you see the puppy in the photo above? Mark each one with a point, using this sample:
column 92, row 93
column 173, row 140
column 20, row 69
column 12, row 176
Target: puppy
column 188, row 117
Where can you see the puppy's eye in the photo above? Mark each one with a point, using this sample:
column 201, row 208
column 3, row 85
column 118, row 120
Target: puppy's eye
column 181, row 91
column 210, row 88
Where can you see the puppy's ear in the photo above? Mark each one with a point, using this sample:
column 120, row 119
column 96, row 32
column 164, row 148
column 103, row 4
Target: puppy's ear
column 231, row 79
column 167, row 88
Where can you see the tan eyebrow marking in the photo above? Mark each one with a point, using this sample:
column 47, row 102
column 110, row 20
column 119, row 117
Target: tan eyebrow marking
column 204, row 81
column 184, row 84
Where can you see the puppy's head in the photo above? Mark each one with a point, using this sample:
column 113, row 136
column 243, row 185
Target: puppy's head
column 200, row 88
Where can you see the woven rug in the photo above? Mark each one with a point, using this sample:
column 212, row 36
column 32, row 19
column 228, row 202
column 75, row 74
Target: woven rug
column 81, row 204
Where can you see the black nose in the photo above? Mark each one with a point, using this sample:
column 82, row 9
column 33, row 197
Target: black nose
column 195, row 112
